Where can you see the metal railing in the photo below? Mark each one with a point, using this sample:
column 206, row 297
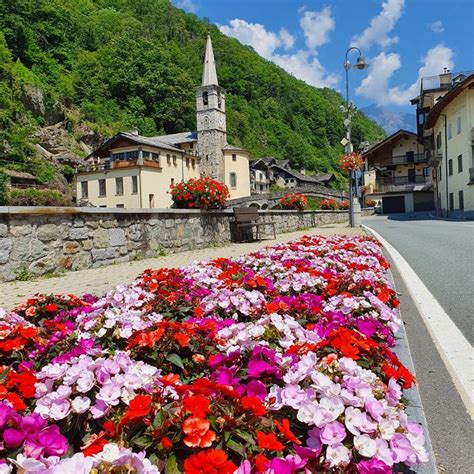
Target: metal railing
column 406, row 159
column 400, row 183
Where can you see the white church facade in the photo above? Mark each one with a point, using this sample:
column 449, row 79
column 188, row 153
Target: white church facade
column 134, row 171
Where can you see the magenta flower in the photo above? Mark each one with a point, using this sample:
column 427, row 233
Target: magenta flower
column 374, row 466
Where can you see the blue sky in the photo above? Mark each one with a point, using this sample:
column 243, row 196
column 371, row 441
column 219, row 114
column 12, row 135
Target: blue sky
column 402, row 40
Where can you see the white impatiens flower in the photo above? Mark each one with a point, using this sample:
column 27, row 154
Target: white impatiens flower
column 81, row 404
column 365, row 445
column 338, row 455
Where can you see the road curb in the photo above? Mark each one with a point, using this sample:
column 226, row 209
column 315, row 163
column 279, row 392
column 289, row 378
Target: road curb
column 460, row 219
column 415, row 409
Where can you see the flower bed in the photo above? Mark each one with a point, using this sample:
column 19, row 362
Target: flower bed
column 199, row 193
column 276, row 362
column 293, row 201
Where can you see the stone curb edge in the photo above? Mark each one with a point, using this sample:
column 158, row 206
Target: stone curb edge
column 415, row 408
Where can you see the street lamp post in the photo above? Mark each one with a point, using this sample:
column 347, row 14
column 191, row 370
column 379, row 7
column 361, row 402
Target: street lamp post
column 350, row 110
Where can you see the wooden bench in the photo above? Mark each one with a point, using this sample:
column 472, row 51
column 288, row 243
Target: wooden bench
column 247, row 217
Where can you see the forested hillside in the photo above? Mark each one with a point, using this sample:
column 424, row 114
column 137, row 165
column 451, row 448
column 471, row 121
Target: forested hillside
column 75, row 71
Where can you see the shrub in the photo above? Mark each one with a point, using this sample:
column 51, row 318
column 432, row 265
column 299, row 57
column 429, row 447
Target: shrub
column 343, row 205
column 3, row 188
column 37, row 197
column 370, row 203
column 201, row 193
column 294, row 201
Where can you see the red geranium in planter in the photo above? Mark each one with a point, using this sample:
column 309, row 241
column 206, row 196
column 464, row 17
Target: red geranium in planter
column 351, row 162
column 294, row 201
column 201, row 193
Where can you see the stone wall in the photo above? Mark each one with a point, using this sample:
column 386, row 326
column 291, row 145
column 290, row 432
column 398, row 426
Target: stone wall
column 39, row 241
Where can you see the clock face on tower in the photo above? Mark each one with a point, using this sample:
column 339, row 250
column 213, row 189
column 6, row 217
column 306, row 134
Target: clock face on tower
column 220, row 121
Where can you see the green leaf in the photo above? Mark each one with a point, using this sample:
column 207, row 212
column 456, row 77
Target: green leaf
column 237, row 447
column 4, row 375
column 247, row 437
column 176, row 360
column 172, row 466
column 158, row 420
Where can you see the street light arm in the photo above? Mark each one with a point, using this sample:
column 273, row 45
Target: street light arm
column 352, row 48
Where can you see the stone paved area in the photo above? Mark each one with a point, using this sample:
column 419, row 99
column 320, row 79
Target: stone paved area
column 99, row 280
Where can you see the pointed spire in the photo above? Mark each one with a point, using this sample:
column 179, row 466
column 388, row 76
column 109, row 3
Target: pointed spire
column 209, row 75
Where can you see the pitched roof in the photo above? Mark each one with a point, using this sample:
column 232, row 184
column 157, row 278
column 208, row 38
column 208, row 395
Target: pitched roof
column 435, row 112
column 178, row 138
column 390, row 138
column 156, row 142
column 309, row 178
column 232, row 148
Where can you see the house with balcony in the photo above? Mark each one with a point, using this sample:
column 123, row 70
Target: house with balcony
column 268, row 171
column 445, row 114
column 397, row 175
column 133, row 171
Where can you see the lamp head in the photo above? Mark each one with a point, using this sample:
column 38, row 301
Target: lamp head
column 361, row 64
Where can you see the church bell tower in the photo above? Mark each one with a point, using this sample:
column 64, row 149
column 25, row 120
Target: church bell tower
column 211, row 119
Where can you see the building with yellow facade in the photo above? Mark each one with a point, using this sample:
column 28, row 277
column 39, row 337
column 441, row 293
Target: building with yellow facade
column 133, row 171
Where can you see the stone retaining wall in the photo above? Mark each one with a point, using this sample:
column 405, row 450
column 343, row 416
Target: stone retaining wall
column 39, row 241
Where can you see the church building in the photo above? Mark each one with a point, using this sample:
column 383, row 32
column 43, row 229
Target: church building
column 133, row 171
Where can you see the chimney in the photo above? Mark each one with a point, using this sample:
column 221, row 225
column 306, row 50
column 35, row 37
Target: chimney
column 445, row 78
column 135, row 131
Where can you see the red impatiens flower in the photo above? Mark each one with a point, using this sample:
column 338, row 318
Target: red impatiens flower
column 284, row 428
column 269, row 441
column 139, row 407
column 211, row 461
column 197, row 405
column 198, row 432
column 182, row 339
column 51, row 307
column 253, row 403
column 261, row 462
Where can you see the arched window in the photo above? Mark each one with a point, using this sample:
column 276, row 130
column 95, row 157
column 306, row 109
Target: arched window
column 205, row 98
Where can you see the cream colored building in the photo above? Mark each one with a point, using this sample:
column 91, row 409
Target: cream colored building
column 133, row 171
column 397, row 175
column 449, row 133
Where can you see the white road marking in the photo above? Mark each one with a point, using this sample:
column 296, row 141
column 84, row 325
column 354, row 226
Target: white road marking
column 453, row 347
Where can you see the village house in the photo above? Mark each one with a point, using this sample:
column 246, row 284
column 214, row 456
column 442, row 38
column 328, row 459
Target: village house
column 134, row 171
column 397, row 175
column 269, row 171
column 445, row 117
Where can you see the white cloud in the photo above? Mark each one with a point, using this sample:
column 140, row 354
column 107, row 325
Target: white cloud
column 316, row 27
column 287, row 39
column 256, row 35
column 306, row 67
column 304, row 63
column 380, row 26
column 187, row 5
column 376, row 85
column 437, row 26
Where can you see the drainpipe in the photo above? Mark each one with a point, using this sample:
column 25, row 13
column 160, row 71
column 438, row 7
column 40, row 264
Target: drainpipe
column 140, row 165
column 446, row 160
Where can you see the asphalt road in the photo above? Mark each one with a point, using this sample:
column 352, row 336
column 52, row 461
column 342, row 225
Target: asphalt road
column 442, row 254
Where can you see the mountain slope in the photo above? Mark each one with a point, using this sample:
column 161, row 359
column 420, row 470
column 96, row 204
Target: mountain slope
column 77, row 71
column 389, row 120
